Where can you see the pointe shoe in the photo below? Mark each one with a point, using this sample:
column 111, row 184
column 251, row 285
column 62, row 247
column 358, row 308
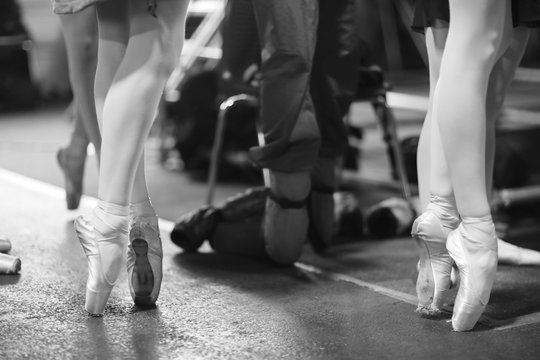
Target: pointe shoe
column 435, row 264
column 72, row 166
column 476, row 259
column 104, row 253
column 144, row 260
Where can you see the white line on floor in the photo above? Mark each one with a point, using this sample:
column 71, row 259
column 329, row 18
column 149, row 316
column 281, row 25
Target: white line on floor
column 88, row 202
column 408, row 298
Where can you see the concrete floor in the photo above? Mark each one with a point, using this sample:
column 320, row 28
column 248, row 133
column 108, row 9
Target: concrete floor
column 355, row 303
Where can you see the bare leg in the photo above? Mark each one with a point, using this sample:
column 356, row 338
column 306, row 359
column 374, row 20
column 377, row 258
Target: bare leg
column 435, row 41
column 137, row 53
column 80, row 34
column 133, row 97
column 479, row 34
column 439, row 214
column 114, row 35
column 78, row 141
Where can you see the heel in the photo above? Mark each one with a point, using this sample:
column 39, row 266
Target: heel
column 142, row 278
column 96, row 301
column 144, row 260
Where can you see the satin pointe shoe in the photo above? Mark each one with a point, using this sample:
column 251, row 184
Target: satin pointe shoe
column 104, row 248
column 72, row 165
column 475, row 254
column 435, row 264
column 144, row 260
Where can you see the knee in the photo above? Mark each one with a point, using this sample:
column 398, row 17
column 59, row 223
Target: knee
column 489, row 47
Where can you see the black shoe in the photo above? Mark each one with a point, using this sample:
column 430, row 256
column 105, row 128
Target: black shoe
column 192, row 229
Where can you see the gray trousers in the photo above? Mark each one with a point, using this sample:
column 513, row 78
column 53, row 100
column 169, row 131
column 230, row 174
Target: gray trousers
column 287, row 31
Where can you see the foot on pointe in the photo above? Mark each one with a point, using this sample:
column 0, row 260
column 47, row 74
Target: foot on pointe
column 430, row 231
column 104, row 247
column 473, row 246
column 144, row 260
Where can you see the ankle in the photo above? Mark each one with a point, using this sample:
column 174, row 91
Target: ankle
column 445, row 209
column 142, row 208
column 480, row 229
column 110, row 217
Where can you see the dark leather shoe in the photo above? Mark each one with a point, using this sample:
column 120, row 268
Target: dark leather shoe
column 192, row 229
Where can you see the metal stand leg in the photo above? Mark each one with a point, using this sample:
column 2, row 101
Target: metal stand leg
column 218, row 139
column 388, row 127
column 507, row 197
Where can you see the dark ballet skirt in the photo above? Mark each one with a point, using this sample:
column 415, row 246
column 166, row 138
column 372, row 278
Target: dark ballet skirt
column 526, row 13
column 426, row 12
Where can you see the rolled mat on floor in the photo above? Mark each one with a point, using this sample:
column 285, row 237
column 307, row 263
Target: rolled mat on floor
column 9, row 264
